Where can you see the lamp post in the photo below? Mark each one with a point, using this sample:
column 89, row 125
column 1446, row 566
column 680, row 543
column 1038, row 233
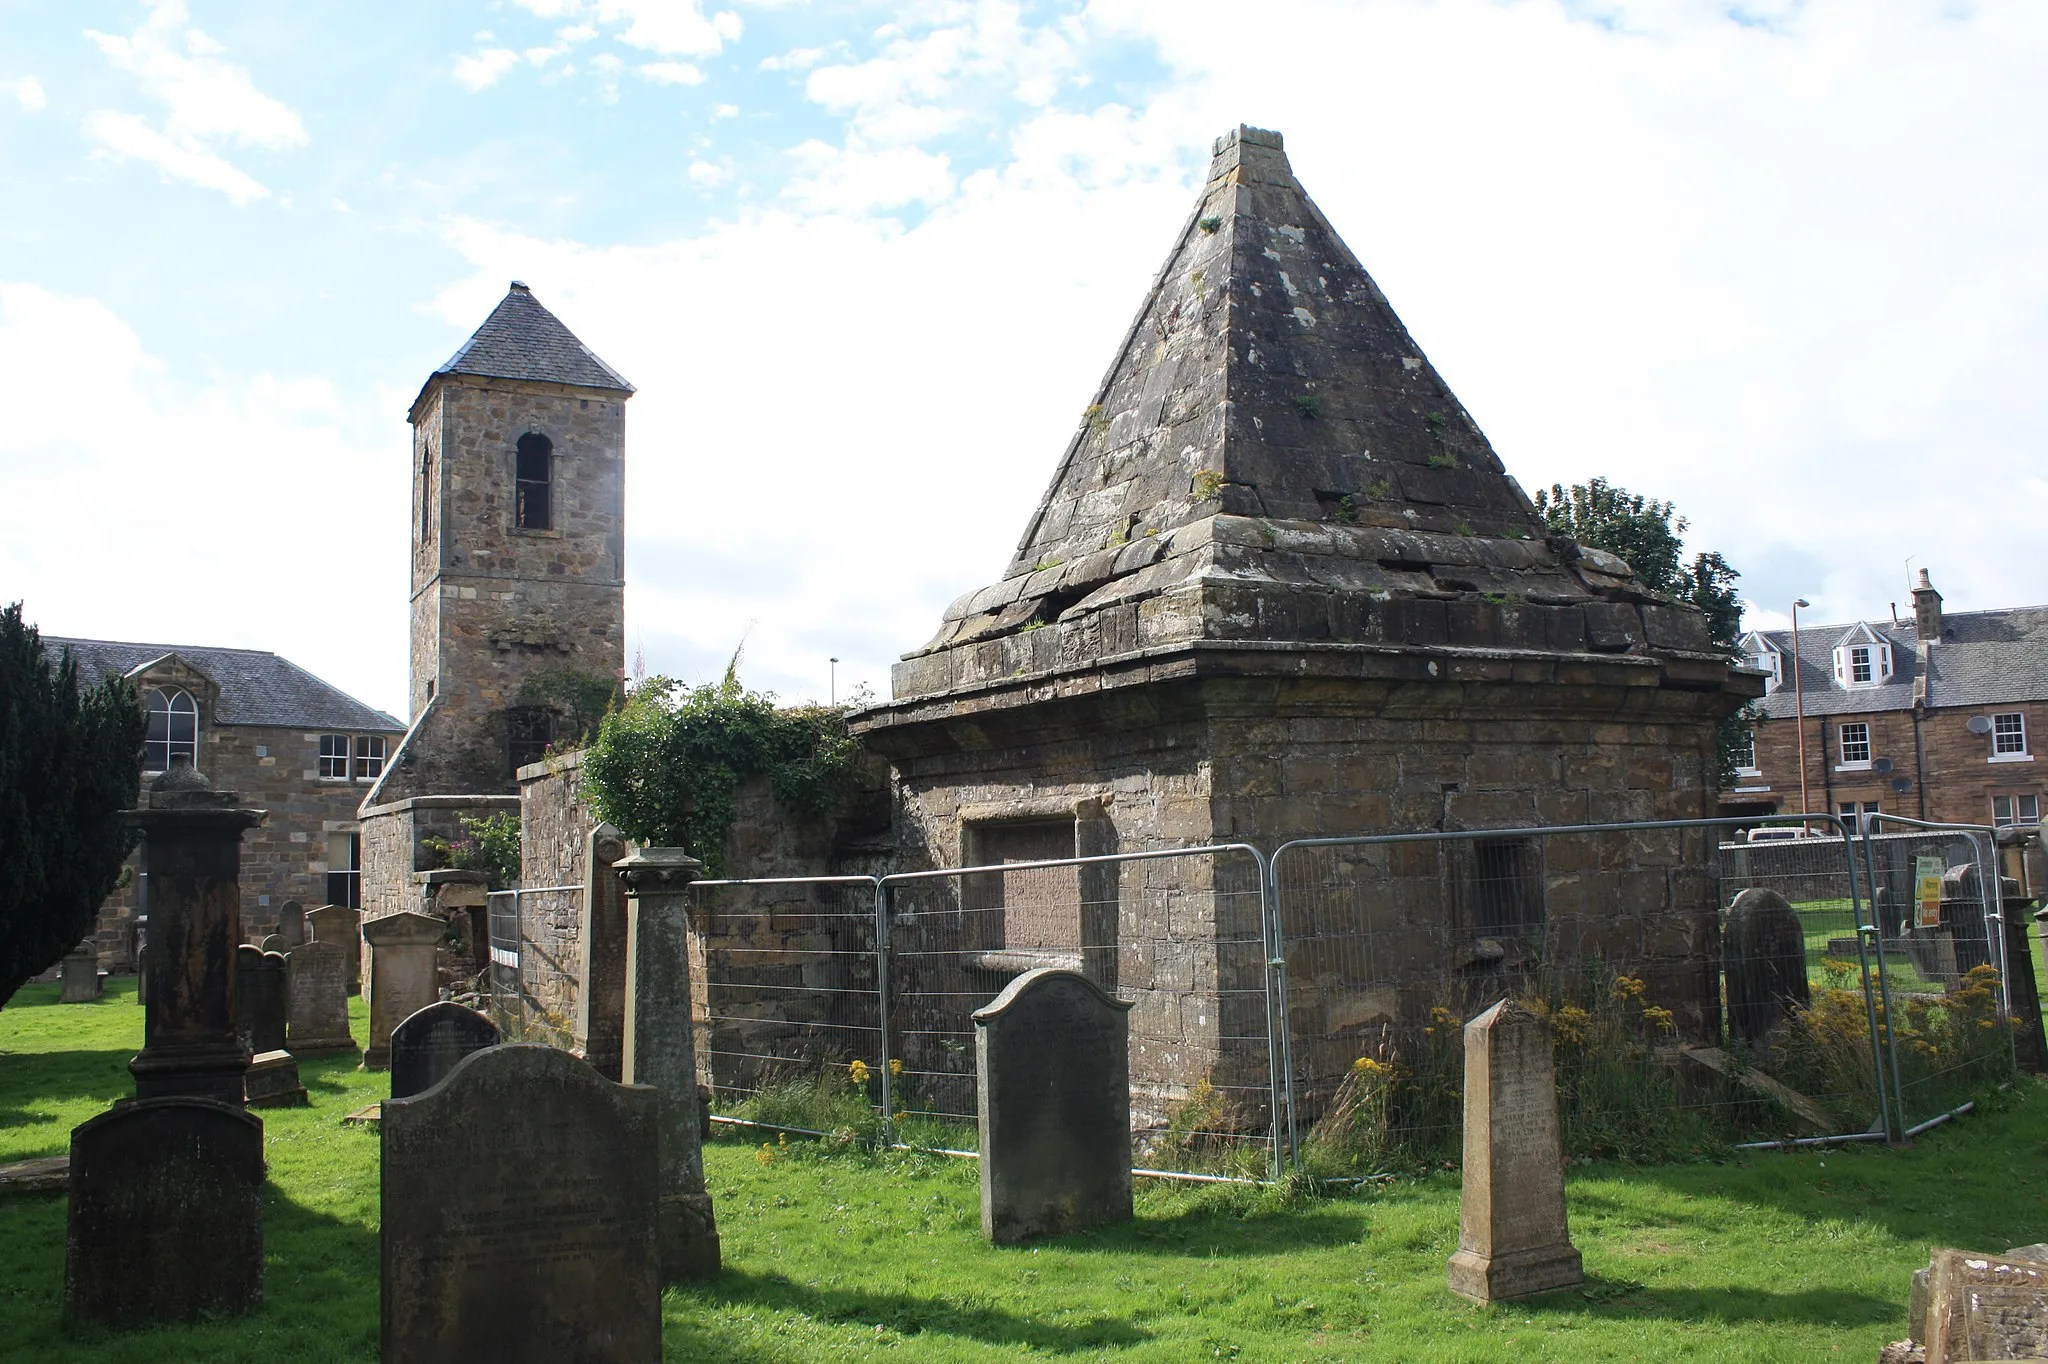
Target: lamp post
column 1799, row 705
column 832, row 688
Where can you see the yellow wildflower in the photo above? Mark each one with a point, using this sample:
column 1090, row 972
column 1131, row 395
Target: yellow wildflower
column 1368, row 1067
column 1628, row 987
column 1659, row 1018
column 895, row 1066
column 1570, row 1023
column 859, row 1071
column 1443, row 1017
column 766, row 1155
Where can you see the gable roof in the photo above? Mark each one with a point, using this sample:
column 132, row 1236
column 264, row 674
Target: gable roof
column 1984, row 658
column 256, row 687
column 523, row 340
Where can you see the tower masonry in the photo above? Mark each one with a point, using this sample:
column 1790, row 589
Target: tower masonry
column 518, row 545
column 518, row 580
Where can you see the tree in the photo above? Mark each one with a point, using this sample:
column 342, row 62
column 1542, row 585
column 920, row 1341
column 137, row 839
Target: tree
column 1649, row 536
column 70, row 763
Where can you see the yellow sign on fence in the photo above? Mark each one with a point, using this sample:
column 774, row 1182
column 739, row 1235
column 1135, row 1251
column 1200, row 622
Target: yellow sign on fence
column 1927, row 890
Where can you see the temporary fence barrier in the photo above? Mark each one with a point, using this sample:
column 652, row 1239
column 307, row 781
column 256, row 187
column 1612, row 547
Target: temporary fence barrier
column 532, row 979
column 1308, row 1008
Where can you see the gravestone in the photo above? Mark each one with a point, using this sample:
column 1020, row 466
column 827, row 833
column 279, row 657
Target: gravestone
column 1512, row 1239
column 518, row 1216
column 1052, row 1058
column 341, row 926
column 272, row 1080
column 660, row 1050
column 317, row 990
column 260, row 1001
column 1986, row 1307
column 601, row 987
column 80, row 972
column 275, row 943
column 166, row 1215
column 291, row 924
column 426, row 1046
column 1763, row 959
column 192, row 855
column 403, row 979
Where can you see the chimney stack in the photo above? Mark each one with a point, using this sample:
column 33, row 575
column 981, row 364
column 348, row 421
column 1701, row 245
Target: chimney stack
column 1926, row 610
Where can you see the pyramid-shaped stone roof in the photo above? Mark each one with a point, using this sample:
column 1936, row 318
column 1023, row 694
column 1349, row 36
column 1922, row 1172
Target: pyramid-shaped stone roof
column 523, row 340
column 1272, row 460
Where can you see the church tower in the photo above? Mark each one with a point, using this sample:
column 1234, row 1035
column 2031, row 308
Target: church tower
column 518, row 545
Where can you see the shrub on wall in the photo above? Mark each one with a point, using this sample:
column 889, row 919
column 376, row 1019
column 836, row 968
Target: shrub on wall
column 665, row 767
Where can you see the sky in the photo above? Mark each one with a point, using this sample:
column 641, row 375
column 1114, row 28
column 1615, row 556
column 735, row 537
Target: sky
column 1780, row 263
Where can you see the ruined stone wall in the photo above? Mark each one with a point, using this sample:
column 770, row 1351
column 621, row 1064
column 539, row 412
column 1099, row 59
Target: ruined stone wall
column 554, row 841
column 285, row 858
column 394, row 848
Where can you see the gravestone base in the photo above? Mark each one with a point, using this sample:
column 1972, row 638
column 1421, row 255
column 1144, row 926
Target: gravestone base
column 688, row 1231
column 1520, row 1275
column 273, row 1081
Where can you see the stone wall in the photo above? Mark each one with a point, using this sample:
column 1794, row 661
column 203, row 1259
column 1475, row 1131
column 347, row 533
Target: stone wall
column 394, row 846
column 554, row 842
column 286, row 857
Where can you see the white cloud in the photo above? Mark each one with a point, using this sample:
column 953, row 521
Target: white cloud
column 709, row 174
column 479, row 70
column 209, row 102
column 671, row 73
column 27, row 92
column 797, row 59
column 676, row 28
column 836, row 180
column 724, row 111
column 225, row 557
column 121, row 136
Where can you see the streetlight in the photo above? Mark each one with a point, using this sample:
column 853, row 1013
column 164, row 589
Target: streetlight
column 832, row 687
column 1799, row 706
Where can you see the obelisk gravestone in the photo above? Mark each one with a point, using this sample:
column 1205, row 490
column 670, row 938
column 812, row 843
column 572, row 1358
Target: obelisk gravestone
column 1512, row 1240
column 1052, row 1057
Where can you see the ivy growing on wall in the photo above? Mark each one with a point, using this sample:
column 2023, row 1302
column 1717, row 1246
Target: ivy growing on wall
column 666, row 766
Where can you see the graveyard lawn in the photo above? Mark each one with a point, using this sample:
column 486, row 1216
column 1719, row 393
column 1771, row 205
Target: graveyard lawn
column 832, row 1256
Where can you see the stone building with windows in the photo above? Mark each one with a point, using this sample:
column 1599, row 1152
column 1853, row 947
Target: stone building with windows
column 259, row 725
column 518, row 574
column 1935, row 718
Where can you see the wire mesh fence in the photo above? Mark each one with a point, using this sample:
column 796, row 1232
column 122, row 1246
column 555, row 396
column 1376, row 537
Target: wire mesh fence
column 1703, row 987
column 533, row 973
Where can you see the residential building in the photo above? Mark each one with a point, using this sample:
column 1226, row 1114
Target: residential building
column 1936, row 717
column 263, row 727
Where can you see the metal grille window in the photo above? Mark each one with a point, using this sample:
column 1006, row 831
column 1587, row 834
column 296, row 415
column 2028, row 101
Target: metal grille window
column 173, row 728
column 528, row 732
column 2009, row 733
column 334, row 757
column 1855, row 742
column 2010, row 810
column 1507, row 887
column 369, row 757
column 534, row 482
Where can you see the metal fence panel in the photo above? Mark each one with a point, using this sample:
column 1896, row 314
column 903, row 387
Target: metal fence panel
column 532, row 980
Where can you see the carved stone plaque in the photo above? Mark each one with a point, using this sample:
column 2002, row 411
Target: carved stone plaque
column 1986, row 1307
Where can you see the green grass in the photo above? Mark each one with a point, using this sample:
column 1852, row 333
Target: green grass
column 1758, row 1258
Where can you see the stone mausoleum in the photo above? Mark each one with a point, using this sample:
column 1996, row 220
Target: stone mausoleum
column 1281, row 586
column 518, row 576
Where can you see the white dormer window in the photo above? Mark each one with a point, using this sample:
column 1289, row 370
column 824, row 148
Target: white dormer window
column 1862, row 659
column 1763, row 656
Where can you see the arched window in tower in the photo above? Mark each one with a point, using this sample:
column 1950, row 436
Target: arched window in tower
column 426, row 496
column 173, row 728
column 534, row 482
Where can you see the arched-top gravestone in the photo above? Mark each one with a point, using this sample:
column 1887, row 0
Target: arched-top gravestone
column 260, row 998
column 1763, row 958
column 166, row 1213
column 1052, row 1055
column 518, row 1215
column 430, row 1043
column 291, row 924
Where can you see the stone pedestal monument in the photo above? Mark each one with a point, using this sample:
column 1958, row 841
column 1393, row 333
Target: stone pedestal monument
column 81, row 975
column 191, row 852
column 660, row 1050
column 402, row 976
column 1512, row 1240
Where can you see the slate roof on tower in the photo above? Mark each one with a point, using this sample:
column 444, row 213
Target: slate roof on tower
column 523, row 340
column 1272, row 459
